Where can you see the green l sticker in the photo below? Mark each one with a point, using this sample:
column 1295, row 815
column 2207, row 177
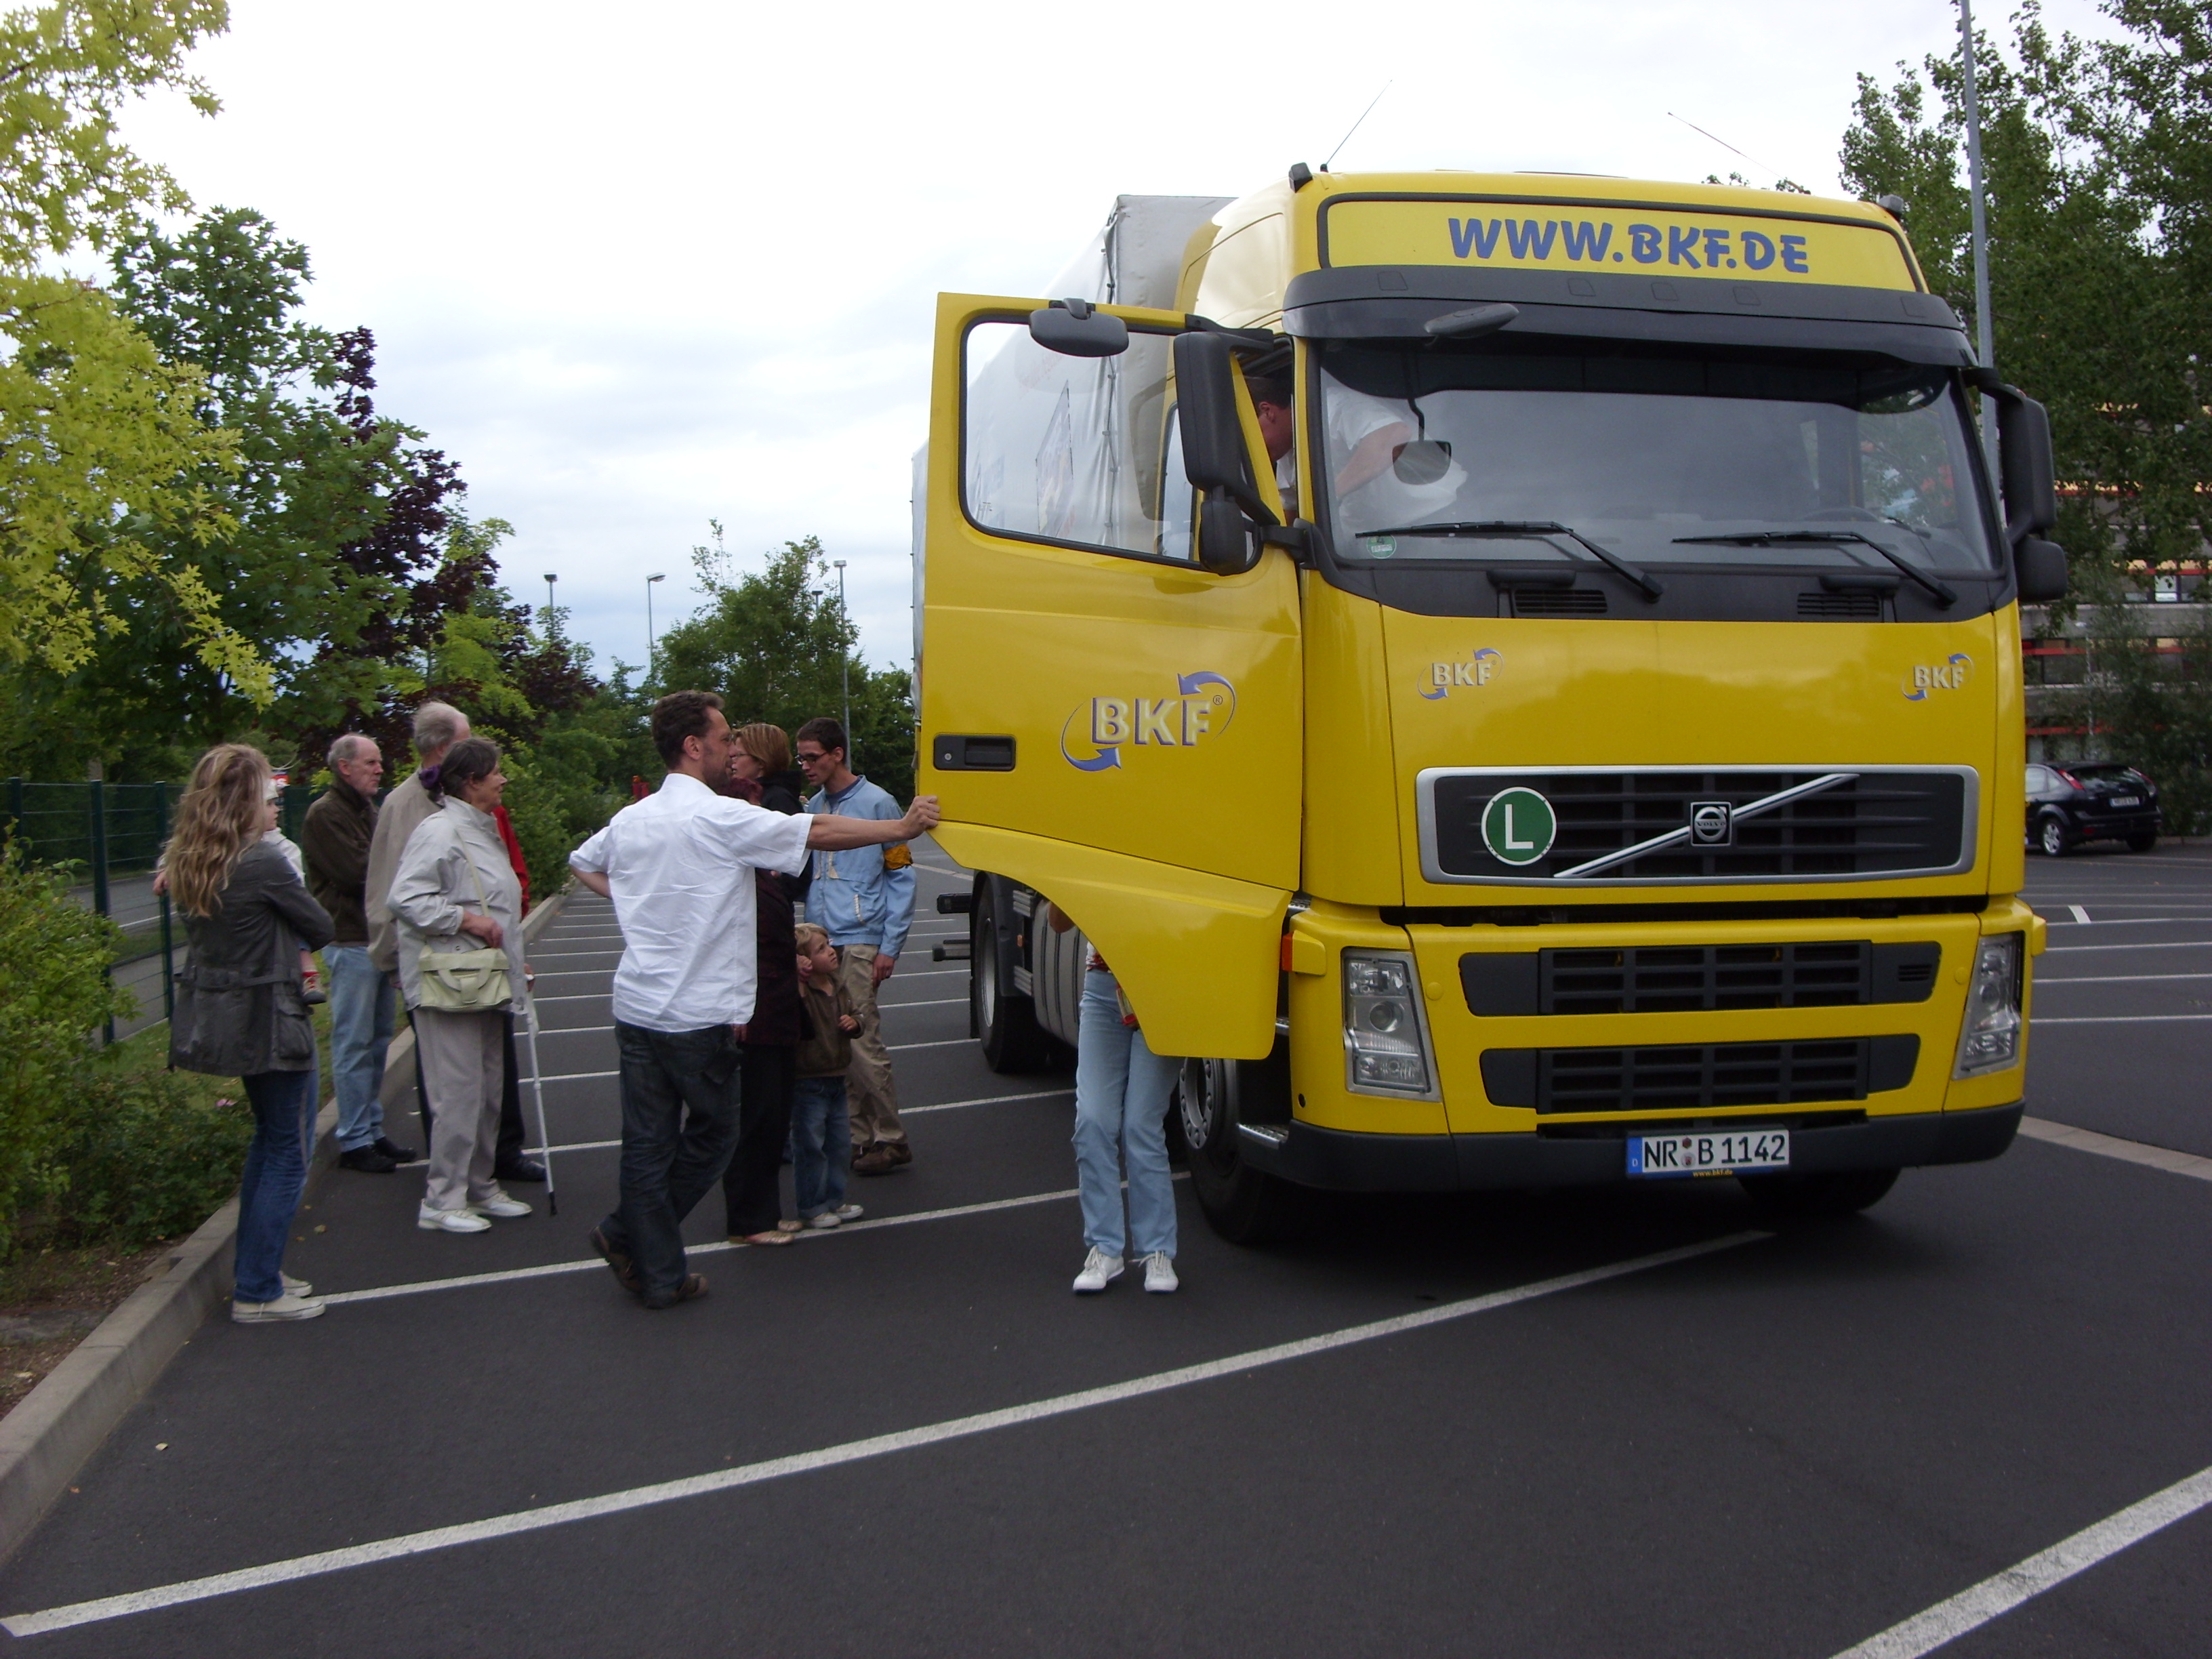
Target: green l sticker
column 1518, row 826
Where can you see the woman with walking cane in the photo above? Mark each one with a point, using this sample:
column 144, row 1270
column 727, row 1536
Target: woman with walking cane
column 239, row 1011
column 458, row 908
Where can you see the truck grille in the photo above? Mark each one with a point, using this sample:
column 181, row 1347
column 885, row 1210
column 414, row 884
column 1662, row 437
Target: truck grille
column 1693, row 1077
column 1646, row 979
column 1877, row 822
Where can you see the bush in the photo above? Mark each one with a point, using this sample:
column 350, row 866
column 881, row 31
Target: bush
column 145, row 1156
column 53, row 991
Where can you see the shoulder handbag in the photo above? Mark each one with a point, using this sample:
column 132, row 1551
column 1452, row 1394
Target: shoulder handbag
column 467, row 982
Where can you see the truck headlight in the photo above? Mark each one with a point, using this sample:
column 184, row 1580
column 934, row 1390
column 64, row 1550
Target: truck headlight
column 1386, row 1041
column 1988, row 1037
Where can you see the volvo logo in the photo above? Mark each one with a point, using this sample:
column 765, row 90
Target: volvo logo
column 1712, row 823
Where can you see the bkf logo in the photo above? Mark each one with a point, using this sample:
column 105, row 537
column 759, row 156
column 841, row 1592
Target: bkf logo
column 1950, row 675
column 1206, row 704
column 1476, row 670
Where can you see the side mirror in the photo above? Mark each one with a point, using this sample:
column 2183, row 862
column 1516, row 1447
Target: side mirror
column 1227, row 543
column 2040, row 569
column 2031, row 491
column 1075, row 328
column 1214, row 455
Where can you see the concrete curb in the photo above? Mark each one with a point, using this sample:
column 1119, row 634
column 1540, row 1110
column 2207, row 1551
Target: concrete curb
column 45, row 1440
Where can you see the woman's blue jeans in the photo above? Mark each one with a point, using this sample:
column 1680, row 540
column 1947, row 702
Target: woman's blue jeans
column 1122, row 1092
column 276, row 1169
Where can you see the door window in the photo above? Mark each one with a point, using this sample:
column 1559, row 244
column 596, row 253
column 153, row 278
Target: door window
column 1077, row 451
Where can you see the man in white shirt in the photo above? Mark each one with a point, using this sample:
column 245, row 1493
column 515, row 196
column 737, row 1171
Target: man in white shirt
column 1365, row 436
column 678, row 865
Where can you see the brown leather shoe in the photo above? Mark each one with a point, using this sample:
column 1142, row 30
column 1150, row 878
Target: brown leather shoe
column 624, row 1271
column 902, row 1154
column 694, row 1286
column 876, row 1161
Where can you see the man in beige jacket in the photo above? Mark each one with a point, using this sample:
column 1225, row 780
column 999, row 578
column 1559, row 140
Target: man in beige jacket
column 438, row 727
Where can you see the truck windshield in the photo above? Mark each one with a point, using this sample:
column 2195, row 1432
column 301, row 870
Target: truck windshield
column 1664, row 458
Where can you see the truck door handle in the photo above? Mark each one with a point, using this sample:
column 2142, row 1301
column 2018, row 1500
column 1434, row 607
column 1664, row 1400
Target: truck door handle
column 966, row 752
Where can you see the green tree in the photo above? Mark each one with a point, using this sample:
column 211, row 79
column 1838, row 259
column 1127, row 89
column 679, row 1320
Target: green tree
column 95, row 431
column 2098, row 301
column 776, row 643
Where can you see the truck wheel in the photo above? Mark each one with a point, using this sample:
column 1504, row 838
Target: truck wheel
column 2051, row 836
column 2144, row 842
column 1782, row 1198
column 1241, row 1204
column 1004, row 1023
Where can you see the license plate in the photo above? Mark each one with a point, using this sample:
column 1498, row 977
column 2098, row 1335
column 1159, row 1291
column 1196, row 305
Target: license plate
column 2126, row 800
column 1705, row 1152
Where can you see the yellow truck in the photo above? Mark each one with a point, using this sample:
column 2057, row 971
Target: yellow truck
column 1519, row 675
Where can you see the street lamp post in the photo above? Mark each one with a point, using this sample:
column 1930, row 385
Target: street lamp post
column 1984, row 329
column 650, row 646
column 550, row 578
column 845, row 665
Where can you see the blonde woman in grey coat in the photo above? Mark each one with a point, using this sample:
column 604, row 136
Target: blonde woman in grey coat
column 454, row 889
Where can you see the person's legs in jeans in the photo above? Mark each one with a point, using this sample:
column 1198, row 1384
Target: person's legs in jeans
column 871, row 1095
column 1145, row 1148
column 752, row 1188
column 361, row 1030
column 268, row 1190
column 1102, row 1080
column 680, row 1094
column 819, row 1138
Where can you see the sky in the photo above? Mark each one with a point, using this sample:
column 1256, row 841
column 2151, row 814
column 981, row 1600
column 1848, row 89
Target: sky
column 635, row 269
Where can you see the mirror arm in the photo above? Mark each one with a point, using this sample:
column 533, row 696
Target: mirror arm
column 1296, row 538
column 1240, row 339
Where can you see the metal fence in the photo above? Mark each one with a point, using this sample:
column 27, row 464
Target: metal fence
column 106, row 839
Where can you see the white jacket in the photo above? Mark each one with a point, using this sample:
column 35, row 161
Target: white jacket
column 434, row 885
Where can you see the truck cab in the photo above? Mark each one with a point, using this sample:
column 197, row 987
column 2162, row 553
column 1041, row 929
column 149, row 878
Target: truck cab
column 1519, row 674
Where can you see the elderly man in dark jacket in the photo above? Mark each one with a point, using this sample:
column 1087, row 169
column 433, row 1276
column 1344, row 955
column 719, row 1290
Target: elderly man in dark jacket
column 335, row 839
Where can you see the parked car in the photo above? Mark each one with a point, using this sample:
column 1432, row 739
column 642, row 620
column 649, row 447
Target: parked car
column 2098, row 800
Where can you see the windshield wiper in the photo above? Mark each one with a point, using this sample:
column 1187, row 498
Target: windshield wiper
column 1511, row 528
column 1946, row 595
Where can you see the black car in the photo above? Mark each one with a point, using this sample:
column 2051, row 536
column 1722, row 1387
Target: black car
column 2094, row 800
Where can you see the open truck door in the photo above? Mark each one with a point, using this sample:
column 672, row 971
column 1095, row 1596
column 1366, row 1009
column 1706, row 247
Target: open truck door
column 1108, row 657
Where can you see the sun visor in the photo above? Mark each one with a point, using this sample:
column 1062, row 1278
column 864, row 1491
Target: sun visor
column 1368, row 302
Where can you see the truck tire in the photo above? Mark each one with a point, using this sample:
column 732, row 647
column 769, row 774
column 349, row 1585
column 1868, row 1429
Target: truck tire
column 1783, row 1199
column 1004, row 1021
column 1241, row 1204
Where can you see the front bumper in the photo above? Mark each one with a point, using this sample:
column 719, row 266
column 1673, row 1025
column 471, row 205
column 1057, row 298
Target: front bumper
column 1339, row 1161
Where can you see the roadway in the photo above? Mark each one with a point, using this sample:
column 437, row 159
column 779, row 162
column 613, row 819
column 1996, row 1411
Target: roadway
column 1568, row 1424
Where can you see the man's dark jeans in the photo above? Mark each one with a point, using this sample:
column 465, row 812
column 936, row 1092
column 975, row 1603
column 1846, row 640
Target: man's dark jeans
column 680, row 1094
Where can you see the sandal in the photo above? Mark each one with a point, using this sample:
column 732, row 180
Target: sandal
column 774, row 1236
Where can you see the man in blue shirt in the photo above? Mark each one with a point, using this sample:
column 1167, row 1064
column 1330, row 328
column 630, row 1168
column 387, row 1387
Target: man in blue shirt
column 864, row 897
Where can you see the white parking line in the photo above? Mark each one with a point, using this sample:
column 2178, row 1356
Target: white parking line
column 1970, row 1609
column 2080, row 914
column 2127, row 1152
column 550, row 1270
column 2138, row 921
column 580, row 996
column 987, row 1100
column 537, row 956
column 2112, row 979
column 571, row 1030
column 2117, row 1019
column 946, row 1042
column 939, row 1002
column 853, row 1451
column 576, row 973
column 2159, row 944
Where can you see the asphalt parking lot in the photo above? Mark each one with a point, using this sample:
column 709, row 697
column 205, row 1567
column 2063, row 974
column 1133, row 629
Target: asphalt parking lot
column 1618, row 1423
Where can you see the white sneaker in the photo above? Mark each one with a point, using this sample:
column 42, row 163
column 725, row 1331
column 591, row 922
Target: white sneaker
column 499, row 1204
column 287, row 1306
column 1099, row 1270
column 450, row 1221
column 296, row 1286
column 1160, row 1273
column 827, row 1218
column 849, row 1212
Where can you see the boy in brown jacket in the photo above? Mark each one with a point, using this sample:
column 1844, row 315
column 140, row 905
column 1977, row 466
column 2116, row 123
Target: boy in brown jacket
column 819, row 1128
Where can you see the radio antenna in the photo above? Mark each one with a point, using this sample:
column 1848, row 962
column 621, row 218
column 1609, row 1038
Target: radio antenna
column 1346, row 139
column 1725, row 145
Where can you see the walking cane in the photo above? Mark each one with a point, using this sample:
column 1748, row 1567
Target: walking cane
column 537, row 1090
